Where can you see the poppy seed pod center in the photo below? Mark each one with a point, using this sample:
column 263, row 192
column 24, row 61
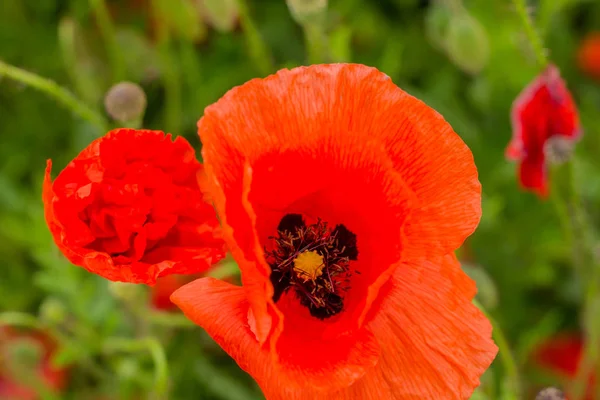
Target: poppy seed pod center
column 314, row 261
column 309, row 265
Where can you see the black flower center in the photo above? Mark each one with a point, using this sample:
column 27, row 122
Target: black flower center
column 314, row 262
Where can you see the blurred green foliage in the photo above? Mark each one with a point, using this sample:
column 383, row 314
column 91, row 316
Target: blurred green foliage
column 184, row 60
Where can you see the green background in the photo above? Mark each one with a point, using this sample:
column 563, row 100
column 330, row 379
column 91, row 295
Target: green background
column 184, row 64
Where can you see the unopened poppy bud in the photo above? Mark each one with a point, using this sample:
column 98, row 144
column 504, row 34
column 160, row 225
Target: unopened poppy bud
column 221, row 14
column 467, row 43
column 307, row 11
column 125, row 102
column 52, row 311
column 437, row 21
column 558, row 149
column 550, row 393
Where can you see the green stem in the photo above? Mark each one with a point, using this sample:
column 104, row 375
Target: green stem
column 530, row 31
column 107, row 30
column 55, row 91
column 226, row 268
column 170, row 320
column 259, row 52
column 157, row 353
column 15, row 318
column 171, row 74
column 316, row 43
column 508, row 361
column 581, row 238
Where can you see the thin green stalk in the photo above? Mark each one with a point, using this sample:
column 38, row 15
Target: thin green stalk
column 23, row 320
column 150, row 344
column 316, row 43
column 169, row 320
column 55, row 91
column 531, row 32
column 508, row 361
column 591, row 275
column 225, row 269
column 259, row 52
column 107, row 30
column 171, row 75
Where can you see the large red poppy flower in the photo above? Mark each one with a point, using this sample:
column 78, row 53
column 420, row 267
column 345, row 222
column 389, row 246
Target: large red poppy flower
column 13, row 387
column 562, row 355
column 342, row 198
column 544, row 116
column 129, row 208
column 588, row 55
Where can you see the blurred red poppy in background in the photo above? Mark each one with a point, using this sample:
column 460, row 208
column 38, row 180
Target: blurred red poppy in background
column 561, row 355
column 342, row 198
column 129, row 208
column 544, row 120
column 588, row 55
column 25, row 367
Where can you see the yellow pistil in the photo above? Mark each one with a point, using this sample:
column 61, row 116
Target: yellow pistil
column 309, row 265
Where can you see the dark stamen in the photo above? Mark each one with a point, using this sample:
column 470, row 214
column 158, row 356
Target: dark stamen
column 321, row 288
column 291, row 223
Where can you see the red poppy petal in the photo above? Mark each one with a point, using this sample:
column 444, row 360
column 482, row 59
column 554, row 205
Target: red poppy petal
column 51, row 221
column 222, row 309
column 129, row 208
column 533, row 176
column 561, row 353
column 434, row 342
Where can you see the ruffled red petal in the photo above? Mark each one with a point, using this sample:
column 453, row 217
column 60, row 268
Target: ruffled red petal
column 129, row 208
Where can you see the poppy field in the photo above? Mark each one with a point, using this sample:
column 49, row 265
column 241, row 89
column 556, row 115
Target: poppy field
column 300, row 199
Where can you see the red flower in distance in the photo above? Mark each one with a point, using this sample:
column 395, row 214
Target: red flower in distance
column 15, row 386
column 129, row 208
column 544, row 117
column 588, row 55
column 342, row 199
column 562, row 356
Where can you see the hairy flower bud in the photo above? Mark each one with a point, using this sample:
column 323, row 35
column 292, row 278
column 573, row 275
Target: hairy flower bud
column 550, row 394
column 125, row 102
column 558, row 149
